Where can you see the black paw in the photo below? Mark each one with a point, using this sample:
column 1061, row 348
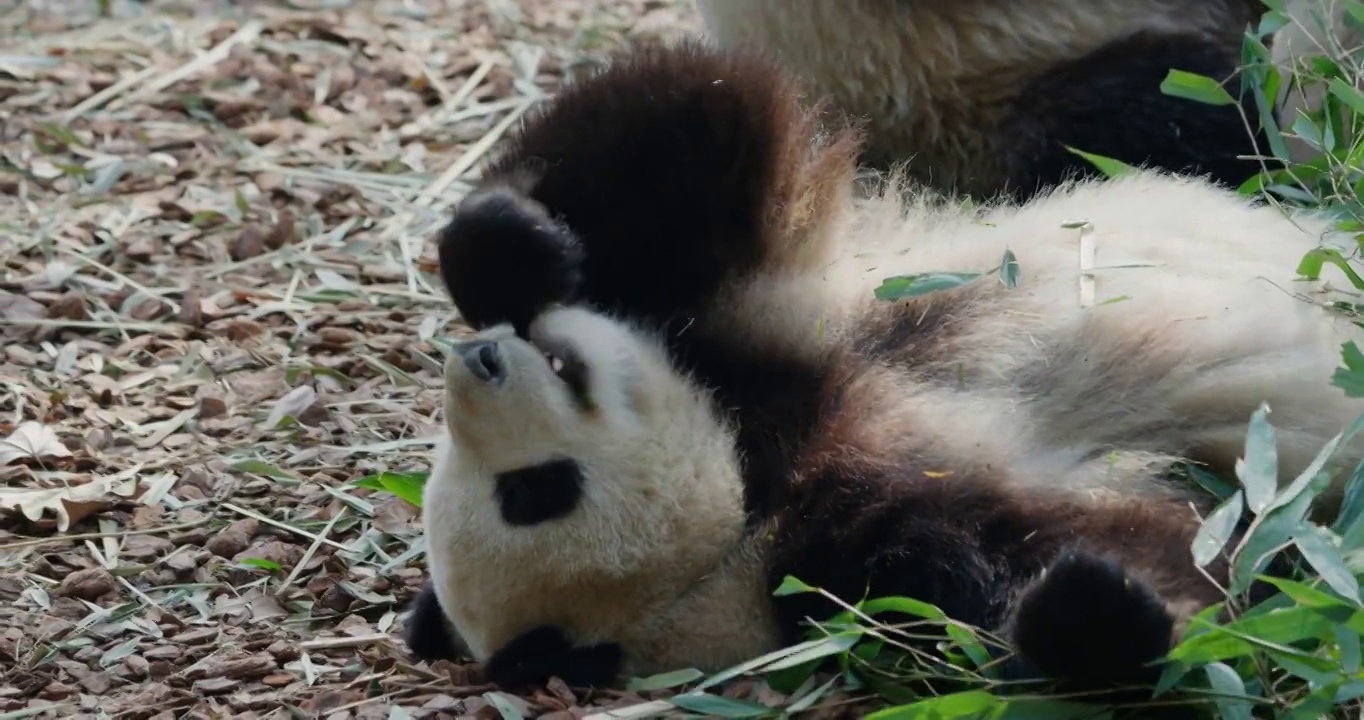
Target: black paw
column 427, row 635
column 504, row 259
column 1090, row 624
column 543, row 652
column 592, row 666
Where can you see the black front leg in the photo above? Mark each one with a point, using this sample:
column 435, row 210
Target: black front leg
column 504, row 259
column 544, row 652
column 644, row 189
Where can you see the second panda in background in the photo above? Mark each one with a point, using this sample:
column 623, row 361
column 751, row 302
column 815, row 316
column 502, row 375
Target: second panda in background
column 1315, row 27
column 982, row 96
column 683, row 389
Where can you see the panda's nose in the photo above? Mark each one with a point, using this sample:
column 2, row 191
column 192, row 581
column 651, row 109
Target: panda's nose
column 484, row 360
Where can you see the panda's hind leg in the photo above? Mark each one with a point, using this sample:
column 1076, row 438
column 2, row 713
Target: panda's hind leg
column 1096, row 622
column 1091, row 624
column 1109, row 103
column 1112, row 597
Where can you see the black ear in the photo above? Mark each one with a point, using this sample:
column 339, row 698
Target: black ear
column 504, row 259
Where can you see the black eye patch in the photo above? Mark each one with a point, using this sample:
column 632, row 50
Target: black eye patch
column 539, row 493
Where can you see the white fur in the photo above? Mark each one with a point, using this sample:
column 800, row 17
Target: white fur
column 656, row 557
column 653, row 558
column 1215, row 322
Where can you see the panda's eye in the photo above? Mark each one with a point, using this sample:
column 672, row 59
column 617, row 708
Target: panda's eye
column 555, row 363
column 566, row 365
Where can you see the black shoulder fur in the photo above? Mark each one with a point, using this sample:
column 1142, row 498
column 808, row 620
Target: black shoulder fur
column 646, row 189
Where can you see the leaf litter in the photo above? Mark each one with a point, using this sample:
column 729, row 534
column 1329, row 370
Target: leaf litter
column 218, row 312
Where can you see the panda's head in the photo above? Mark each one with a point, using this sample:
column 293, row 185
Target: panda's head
column 584, row 429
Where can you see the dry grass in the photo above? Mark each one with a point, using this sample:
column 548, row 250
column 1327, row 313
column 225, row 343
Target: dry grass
column 217, row 306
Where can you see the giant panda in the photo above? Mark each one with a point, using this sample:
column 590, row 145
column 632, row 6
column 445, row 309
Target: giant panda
column 681, row 388
column 983, row 96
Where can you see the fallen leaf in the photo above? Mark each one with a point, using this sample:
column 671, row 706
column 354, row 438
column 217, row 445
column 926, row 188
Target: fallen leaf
column 298, row 404
column 33, row 440
column 70, row 503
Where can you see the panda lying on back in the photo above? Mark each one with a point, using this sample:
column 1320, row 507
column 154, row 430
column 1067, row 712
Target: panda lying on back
column 682, row 390
column 983, row 96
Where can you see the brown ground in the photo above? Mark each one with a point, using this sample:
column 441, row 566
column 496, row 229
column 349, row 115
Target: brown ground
column 216, row 306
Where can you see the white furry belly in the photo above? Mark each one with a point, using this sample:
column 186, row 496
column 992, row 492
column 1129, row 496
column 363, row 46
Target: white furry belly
column 1194, row 320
